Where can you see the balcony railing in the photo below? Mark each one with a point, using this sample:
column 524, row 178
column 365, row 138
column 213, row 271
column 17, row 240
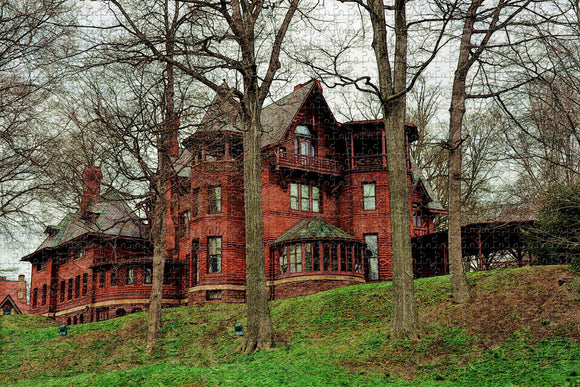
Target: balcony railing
column 369, row 162
column 308, row 163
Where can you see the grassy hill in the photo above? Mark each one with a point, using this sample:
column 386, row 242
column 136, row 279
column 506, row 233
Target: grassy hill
column 522, row 328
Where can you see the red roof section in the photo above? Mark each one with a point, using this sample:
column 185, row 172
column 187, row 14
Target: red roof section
column 9, row 292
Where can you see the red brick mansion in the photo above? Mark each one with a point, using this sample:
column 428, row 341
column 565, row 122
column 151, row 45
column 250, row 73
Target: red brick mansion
column 325, row 211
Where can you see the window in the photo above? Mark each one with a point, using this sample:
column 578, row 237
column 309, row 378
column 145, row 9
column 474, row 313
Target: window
column 70, row 289
column 148, row 275
column 373, row 257
column 44, row 291
column 77, row 286
column 215, row 200
column 303, row 143
column 417, row 218
column 213, row 295
column 305, row 196
column 184, row 219
column 369, row 202
column 214, row 264
column 80, row 253
column 291, row 259
column 62, row 290
column 306, row 257
column 195, row 202
column 85, row 285
column 114, row 276
column 101, row 278
column 63, row 260
column 194, row 274
column 35, row 298
column 41, row 266
column 129, row 279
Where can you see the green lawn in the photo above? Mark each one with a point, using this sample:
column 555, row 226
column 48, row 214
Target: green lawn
column 522, row 328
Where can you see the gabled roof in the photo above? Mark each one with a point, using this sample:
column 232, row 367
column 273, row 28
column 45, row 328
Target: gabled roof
column 275, row 118
column 113, row 218
column 433, row 204
column 9, row 292
column 314, row 228
column 8, row 299
column 221, row 116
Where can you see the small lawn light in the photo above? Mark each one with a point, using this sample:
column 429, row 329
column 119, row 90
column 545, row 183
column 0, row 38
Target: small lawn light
column 62, row 330
column 238, row 329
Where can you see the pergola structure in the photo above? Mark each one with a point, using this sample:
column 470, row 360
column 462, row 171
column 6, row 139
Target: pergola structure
column 486, row 246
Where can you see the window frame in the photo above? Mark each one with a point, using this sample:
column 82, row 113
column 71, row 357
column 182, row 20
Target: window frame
column 77, row 286
column 44, row 294
column 85, row 288
column 305, row 196
column 195, row 202
column 130, row 277
column 217, row 256
column 114, row 278
column 366, row 197
column 70, row 289
column 147, row 275
column 184, row 221
column 62, row 290
column 35, row 298
column 215, row 199
column 102, row 278
column 374, row 255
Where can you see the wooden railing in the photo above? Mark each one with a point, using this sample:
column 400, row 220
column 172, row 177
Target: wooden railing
column 308, row 163
column 370, row 162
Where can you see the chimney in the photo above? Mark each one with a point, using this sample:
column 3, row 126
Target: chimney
column 91, row 185
column 21, row 287
column 299, row 86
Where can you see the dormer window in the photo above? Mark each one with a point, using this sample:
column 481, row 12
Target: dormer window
column 303, row 141
column 302, row 130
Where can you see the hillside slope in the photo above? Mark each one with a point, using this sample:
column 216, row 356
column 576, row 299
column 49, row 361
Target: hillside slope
column 522, row 328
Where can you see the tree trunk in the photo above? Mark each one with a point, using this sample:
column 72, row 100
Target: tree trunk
column 167, row 147
column 404, row 322
column 457, row 278
column 259, row 333
column 158, row 232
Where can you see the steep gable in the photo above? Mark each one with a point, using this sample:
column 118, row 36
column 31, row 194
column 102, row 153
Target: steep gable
column 276, row 118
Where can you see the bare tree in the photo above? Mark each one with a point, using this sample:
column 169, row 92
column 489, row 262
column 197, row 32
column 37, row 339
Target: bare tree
column 392, row 91
column 489, row 39
column 30, row 39
column 220, row 39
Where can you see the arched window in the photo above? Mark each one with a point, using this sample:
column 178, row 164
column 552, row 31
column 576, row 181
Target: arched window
column 303, row 141
column 120, row 312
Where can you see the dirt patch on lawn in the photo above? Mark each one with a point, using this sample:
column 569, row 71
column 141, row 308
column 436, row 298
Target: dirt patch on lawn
column 545, row 299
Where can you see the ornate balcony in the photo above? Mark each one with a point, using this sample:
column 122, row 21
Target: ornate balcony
column 308, row 163
column 369, row 163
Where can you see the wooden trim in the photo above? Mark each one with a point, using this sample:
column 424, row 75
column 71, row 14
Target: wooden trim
column 216, row 287
column 323, row 277
column 116, row 302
